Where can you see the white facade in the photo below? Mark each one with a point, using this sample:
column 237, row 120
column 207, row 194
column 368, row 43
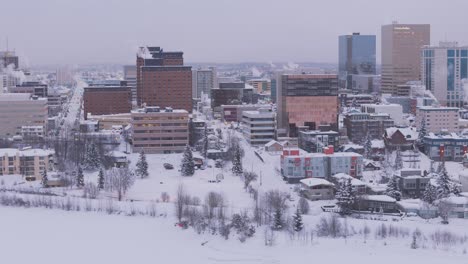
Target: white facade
column 443, row 69
column 438, row 119
column 395, row 111
column 31, row 162
column 258, row 127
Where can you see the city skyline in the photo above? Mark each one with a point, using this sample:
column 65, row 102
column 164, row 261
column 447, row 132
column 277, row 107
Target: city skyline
column 87, row 32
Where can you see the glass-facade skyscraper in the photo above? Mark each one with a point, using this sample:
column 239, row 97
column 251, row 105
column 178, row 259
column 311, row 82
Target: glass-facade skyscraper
column 445, row 72
column 356, row 55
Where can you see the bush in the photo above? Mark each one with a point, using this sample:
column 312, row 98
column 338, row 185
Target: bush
column 330, row 227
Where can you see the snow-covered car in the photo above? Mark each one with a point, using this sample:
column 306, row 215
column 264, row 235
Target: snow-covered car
column 168, row 166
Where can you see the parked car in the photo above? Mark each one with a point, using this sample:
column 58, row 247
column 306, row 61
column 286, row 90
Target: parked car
column 168, row 166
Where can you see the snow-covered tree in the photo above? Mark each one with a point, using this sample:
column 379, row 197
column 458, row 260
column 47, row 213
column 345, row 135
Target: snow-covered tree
column 368, row 146
column 303, row 205
column 119, row 180
column 204, row 149
column 80, row 178
column 91, row 159
column 393, row 190
column 345, row 196
column 297, row 221
column 249, row 176
column 430, row 194
column 187, row 167
column 422, row 134
column 237, row 162
column 444, row 183
column 45, row 179
column 398, row 160
column 101, row 179
column 278, row 223
column 142, row 166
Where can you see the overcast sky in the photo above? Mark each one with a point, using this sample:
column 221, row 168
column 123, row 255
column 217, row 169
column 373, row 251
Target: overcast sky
column 106, row 31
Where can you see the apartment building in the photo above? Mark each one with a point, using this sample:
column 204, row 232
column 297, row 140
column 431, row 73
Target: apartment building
column 107, row 100
column 159, row 130
column 437, row 119
column 358, row 125
column 258, row 127
column 29, row 163
column 18, row 110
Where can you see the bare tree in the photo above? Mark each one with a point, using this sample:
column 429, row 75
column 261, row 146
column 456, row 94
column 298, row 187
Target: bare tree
column 214, row 201
column 303, row 205
column 249, row 176
column 275, row 202
column 444, row 210
column 119, row 180
column 181, row 198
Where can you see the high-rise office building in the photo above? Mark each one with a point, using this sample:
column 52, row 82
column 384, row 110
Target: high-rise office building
column 401, row 55
column 356, row 55
column 445, row 72
column 162, row 79
column 203, row 80
column 7, row 58
column 130, row 75
column 306, row 100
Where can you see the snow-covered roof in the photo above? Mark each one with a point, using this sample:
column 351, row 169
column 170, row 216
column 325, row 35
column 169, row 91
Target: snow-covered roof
column 311, row 182
column 344, row 176
column 408, row 132
column 271, row 143
column 379, row 198
column 456, row 200
column 352, row 146
column 376, row 143
column 28, row 152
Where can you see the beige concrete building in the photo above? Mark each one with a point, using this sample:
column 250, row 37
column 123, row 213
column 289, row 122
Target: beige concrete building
column 401, row 54
column 260, row 85
column 438, row 119
column 106, row 122
column 29, row 163
column 18, row 110
column 156, row 130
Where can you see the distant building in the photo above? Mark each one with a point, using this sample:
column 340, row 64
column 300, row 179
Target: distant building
column 18, row 110
column 107, row 100
column 444, row 68
column 306, row 100
column 273, row 90
column 159, row 130
column 296, row 166
column 401, row 54
column 258, row 126
column 356, row 56
column 355, row 100
column 358, row 125
column 162, row 79
column 233, row 113
column 34, row 88
column 30, row 163
column 438, row 119
column 130, row 76
column 9, row 58
column 365, row 83
column 65, row 76
column 395, row 111
column 315, row 141
column 260, row 85
column 203, row 80
column 233, row 93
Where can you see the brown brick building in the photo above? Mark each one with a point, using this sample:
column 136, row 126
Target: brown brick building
column 163, row 80
column 106, row 100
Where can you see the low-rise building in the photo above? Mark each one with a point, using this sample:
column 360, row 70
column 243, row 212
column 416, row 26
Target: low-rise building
column 454, row 146
column 411, row 182
column 355, row 100
column 30, row 163
column 395, row 111
column 358, row 125
column 376, row 203
column 34, row 88
column 317, row 189
column 296, row 165
column 233, row 113
column 314, row 141
column 400, row 138
column 156, row 130
column 258, row 127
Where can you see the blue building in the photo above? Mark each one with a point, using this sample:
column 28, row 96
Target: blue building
column 356, row 55
column 454, row 146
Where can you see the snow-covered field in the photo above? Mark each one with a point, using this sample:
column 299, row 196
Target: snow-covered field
column 49, row 236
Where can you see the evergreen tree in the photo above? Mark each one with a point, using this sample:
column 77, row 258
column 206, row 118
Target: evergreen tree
column 444, row 183
column 142, row 166
column 398, row 160
column 297, row 221
column 237, row 161
column 393, row 190
column 204, row 149
column 101, row 179
column 91, row 159
column 368, row 146
column 430, row 194
column 187, row 167
column 45, row 179
column 422, row 134
column 278, row 223
column 80, row 178
column 345, row 196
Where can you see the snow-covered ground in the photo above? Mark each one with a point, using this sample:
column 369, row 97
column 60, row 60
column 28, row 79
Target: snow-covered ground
column 48, row 236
